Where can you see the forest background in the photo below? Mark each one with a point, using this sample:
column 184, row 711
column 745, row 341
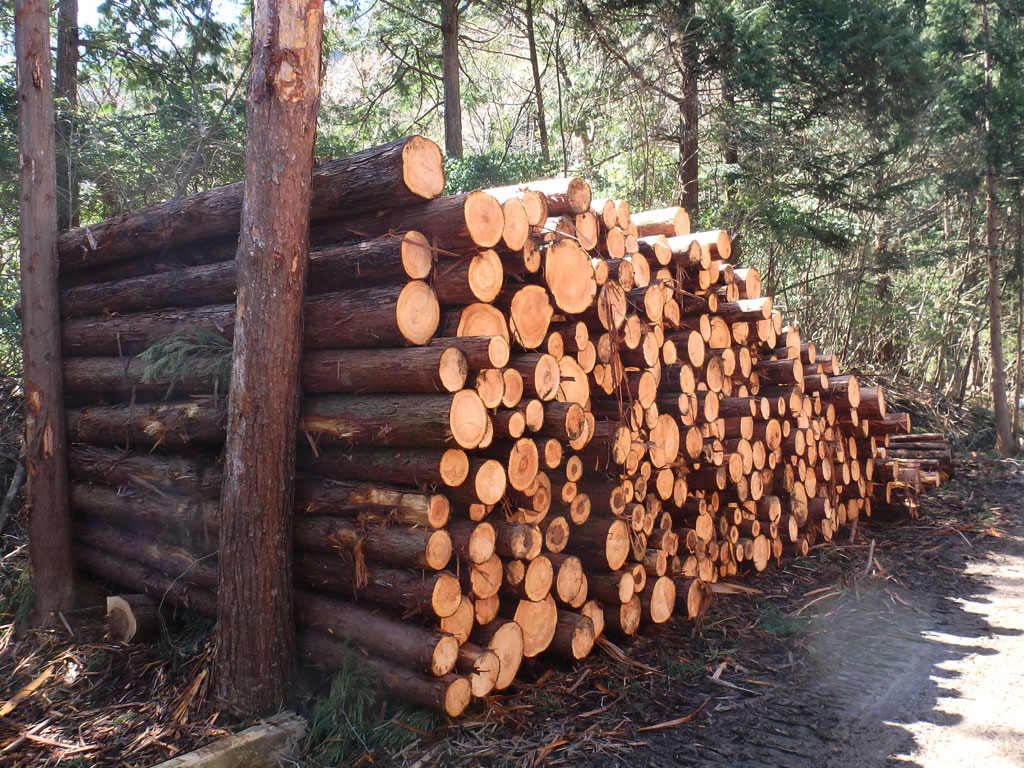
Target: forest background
column 868, row 154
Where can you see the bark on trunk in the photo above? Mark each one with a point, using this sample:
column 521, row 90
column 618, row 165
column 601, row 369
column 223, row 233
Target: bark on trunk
column 689, row 115
column 255, row 624
column 450, row 77
column 66, row 90
column 45, row 453
column 1005, row 444
column 538, row 92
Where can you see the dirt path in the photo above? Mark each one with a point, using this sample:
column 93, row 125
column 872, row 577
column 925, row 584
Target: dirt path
column 921, row 664
column 916, row 661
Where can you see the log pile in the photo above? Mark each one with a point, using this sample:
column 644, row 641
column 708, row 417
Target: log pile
column 529, row 417
column 911, row 464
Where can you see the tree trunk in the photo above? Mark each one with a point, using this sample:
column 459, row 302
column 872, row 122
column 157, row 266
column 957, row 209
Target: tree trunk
column 450, row 77
column 542, row 125
column 256, row 629
column 45, row 452
column 1020, row 344
column 66, row 89
column 689, row 115
column 1004, row 433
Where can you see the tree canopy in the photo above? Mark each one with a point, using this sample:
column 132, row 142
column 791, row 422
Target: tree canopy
column 848, row 144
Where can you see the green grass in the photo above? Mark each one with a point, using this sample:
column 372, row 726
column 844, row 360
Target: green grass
column 352, row 719
column 776, row 623
column 16, row 595
column 698, row 664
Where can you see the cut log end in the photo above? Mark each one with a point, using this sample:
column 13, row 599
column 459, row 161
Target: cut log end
column 423, row 167
column 457, row 696
column 530, row 316
column 481, row 667
column 539, row 620
column 454, row 467
column 482, row 320
column 446, row 596
column 438, row 550
column 417, row 312
column 490, row 482
column 442, row 660
column 438, row 511
column 507, row 641
column 453, row 369
column 523, row 464
column 459, row 624
column 417, row 257
column 468, row 419
column 484, row 219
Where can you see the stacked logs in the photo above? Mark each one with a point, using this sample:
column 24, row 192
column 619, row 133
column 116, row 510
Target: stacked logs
column 529, row 417
column 910, row 465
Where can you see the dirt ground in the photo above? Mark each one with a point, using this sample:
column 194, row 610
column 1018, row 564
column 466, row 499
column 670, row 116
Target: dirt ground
column 913, row 659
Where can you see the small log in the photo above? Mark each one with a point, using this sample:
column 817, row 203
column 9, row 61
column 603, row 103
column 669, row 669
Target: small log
column 132, row 618
column 449, row 694
column 506, row 639
column 481, row 667
column 400, row 641
column 574, row 635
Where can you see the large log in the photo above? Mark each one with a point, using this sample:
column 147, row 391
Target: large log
column 411, row 466
column 399, row 641
column 196, row 524
column 431, row 594
column 117, row 570
column 406, row 420
column 394, row 174
column 113, row 466
column 449, row 694
column 195, row 479
column 414, row 420
column 392, row 315
column 470, row 220
column 383, row 259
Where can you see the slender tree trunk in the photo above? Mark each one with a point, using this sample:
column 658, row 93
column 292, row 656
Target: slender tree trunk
column 542, row 125
column 558, row 85
column 450, row 77
column 49, row 526
column 1019, row 263
column 960, row 386
column 689, row 115
column 66, row 89
column 1004, row 434
column 1016, row 376
column 256, row 642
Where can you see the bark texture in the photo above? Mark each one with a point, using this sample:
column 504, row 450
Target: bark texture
column 45, row 450
column 256, row 629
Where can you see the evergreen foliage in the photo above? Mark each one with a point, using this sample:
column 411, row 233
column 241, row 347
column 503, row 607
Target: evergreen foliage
column 847, row 143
